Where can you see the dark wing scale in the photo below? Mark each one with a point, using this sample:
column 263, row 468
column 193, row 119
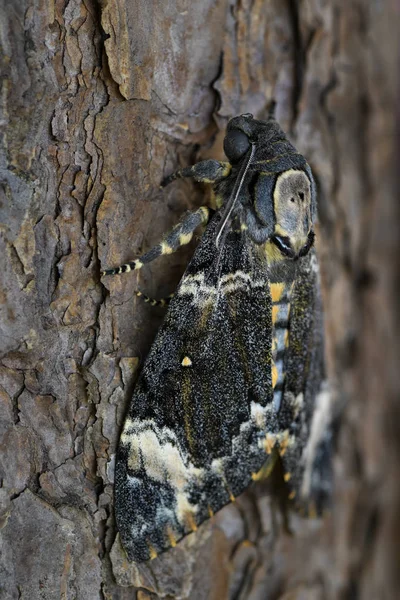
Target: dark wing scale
column 304, row 376
column 203, row 403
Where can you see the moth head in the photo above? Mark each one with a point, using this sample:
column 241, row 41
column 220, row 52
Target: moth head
column 244, row 130
column 292, row 203
column 237, row 142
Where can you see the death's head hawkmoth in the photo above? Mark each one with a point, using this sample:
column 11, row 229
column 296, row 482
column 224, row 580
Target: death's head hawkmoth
column 232, row 381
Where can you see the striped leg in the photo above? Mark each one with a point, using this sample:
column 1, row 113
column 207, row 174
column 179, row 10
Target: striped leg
column 153, row 301
column 181, row 234
column 206, row 171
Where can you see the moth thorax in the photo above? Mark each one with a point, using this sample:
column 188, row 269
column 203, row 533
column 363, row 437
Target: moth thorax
column 292, row 205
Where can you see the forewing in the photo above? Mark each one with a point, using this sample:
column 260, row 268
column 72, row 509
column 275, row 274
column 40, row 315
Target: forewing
column 197, row 424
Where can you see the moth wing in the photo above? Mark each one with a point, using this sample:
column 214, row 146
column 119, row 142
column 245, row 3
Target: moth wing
column 198, row 424
column 305, row 410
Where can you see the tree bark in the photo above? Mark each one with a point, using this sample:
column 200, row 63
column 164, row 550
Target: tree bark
column 99, row 102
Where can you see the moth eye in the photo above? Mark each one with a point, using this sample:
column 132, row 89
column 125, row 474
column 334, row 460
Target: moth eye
column 236, row 144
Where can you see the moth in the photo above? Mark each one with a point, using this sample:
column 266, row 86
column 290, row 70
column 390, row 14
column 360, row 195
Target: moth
column 231, row 383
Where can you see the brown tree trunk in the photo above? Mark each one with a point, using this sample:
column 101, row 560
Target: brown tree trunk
column 99, row 101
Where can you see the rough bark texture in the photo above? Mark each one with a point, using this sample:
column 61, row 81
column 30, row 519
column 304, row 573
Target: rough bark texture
column 99, row 101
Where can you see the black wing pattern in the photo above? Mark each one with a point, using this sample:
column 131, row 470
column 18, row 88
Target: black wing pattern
column 197, row 425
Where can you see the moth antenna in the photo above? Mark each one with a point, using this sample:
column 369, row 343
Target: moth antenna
column 235, row 193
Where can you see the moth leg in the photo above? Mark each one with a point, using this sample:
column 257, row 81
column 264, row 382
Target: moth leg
column 180, row 235
column 153, row 301
column 267, row 468
column 206, row 171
